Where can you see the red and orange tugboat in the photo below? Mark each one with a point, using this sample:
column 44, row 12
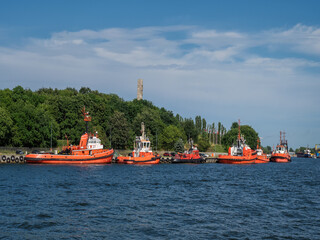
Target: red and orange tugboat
column 142, row 153
column 89, row 151
column 281, row 153
column 190, row 156
column 261, row 157
column 239, row 153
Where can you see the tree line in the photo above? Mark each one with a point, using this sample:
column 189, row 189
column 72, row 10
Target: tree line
column 46, row 116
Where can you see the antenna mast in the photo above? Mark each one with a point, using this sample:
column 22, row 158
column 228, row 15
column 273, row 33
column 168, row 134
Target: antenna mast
column 238, row 129
column 87, row 118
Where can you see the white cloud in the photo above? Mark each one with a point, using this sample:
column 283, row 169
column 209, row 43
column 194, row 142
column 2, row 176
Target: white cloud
column 300, row 38
column 217, row 74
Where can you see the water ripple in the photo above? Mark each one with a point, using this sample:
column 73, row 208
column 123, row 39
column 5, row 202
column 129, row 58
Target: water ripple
column 208, row 201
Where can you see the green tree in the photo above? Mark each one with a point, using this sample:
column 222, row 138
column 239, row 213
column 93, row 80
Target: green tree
column 248, row 132
column 119, row 130
column 219, row 132
column 32, row 126
column 203, row 144
column 5, row 127
column 190, row 129
column 102, row 136
column 179, row 146
column 235, row 125
column 152, row 122
column 204, row 124
column 170, row 135
column 198, row 124
column 301, row 149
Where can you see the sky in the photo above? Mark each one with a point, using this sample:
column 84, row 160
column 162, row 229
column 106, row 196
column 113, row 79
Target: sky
column 257, row 61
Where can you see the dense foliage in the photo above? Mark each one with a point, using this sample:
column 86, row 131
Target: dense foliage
column 250, row 135
column 30, row 118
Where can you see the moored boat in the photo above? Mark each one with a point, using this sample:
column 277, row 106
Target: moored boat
column 142, row 153
column 307, row 153
column 281, row 153
column 261, row 157
column 239, row 153
column 89, row 151
column 190, row 156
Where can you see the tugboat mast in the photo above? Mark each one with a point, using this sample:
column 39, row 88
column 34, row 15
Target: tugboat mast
column 87, row 118
column 239, row 135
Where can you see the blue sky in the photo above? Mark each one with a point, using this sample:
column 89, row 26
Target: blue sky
column 254, row 60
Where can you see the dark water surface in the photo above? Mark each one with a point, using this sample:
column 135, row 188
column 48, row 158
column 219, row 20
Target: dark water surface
column 207, row 201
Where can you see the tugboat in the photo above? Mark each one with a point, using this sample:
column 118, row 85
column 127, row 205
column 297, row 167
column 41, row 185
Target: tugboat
column 261, row 157
column 89, row 151
column 142, row 153
column 239, row 153
column 190, row 156
column 281, row 153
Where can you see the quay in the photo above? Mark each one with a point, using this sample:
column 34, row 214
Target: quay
column 19, row 158
column 12, row 158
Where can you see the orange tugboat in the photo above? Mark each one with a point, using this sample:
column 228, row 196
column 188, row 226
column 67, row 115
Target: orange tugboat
column 89, row 151
column 142, row 153
column 190, row 156
column 261, row 157
column 239, row 153
column 281, row 153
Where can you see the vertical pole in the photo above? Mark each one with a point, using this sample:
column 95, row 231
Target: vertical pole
column 213, row 135
column 239, row 129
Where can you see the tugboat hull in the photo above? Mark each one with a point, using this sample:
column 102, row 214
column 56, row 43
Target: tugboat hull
column 280, row 158
column 227, row 159
column 99, row 158
column 262, row 159
column 138, row 160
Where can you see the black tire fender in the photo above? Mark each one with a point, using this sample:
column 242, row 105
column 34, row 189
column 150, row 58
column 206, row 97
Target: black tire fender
column 8, row 160
column 21, row 158
column 13, row 158
column 4, row 158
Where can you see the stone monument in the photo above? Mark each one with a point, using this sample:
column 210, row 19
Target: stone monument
column 140, row 89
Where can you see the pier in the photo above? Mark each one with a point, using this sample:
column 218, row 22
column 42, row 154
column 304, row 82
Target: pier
column 19, row 158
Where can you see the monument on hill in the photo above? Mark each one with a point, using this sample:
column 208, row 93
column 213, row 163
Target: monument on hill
column 140, row 89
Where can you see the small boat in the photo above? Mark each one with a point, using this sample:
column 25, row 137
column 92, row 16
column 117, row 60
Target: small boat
column 89, row 151
column 261, row 157
column 307, row 153
column 239, row 153
column 190, row 156
column 281, row 153
column 142, row 153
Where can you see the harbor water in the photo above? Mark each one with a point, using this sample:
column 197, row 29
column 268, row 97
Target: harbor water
column 166, row 201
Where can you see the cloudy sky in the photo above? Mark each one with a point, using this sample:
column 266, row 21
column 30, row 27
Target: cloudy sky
column 258, row 61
